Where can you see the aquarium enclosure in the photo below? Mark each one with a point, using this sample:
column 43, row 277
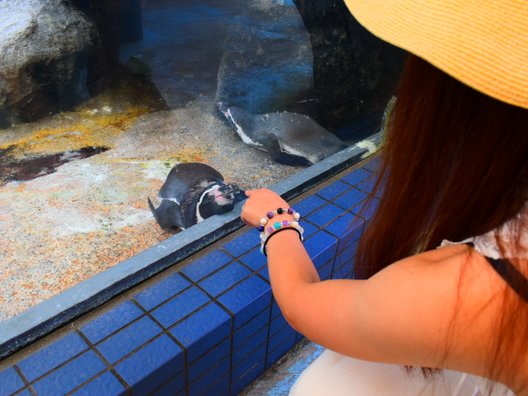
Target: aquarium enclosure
column 99, row 99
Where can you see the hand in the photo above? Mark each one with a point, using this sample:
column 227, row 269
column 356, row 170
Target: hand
column 259, row 203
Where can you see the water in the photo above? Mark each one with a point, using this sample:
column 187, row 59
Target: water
column 30, row 168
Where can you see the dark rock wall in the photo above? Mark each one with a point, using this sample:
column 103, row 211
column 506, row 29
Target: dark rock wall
column 354, row 72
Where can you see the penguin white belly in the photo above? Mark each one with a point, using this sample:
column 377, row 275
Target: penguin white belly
column 199, row 217
column 240, row 131
column 285, row 148
column 168, row 199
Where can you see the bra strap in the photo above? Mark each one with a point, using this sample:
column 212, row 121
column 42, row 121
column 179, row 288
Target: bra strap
column 511, row 275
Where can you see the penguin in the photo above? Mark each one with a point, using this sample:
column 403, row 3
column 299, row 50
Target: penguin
column 191, row 193
column 290, row 138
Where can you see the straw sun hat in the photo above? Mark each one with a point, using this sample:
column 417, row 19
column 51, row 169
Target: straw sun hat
column 482, row 43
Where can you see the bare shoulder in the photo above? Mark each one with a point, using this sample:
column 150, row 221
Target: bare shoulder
column 441, row 300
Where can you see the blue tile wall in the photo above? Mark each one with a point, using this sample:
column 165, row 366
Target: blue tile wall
column 357, row 176
column 174, row 387
column 111, row 321
column 247, row 298
column 52, row 356
column 149, row 368
column 350, row 198
column 243, row 243
column 372, row 165
column 127, row 340
column 285, row 334
column 210, row 328
column 162, row 291
column 281, row 344
column 219, row 353
column 367, row 185
column 325, row 215
column 215, row 382
column 344, row 226
column 308, row 205
column 246, row 370
column 365, row 209
column 180, row 306
column 206, row 265
column 309, row 228
column 11, row 381
column 248, row 331
column 224, row 279
column 321, row 247
column 71, row 375
column 106, row 384
column 247, row 348
column 264, row 273
column 333, row 190
column 343, row 265
column 202, row 330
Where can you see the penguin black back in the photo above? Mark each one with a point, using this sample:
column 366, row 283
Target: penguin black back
column 191, row 193
column 290, row 138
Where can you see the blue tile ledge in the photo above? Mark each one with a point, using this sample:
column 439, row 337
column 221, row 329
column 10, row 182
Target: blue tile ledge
column 210, row 326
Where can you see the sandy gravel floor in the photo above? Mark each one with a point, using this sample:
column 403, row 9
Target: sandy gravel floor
column 91, row 213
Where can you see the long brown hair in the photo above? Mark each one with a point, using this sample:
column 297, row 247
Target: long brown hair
column 454, row 165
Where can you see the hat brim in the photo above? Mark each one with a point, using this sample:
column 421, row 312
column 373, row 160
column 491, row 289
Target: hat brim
column 482, row 44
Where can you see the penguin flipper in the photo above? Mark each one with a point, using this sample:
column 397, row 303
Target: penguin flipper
column 153, row 209
column 167, row 214
column 274, row 148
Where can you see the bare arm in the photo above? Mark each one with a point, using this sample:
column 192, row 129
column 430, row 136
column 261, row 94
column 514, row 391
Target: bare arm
column 405, row 314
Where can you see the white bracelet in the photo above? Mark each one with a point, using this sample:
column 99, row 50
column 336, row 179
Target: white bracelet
column 267, row 232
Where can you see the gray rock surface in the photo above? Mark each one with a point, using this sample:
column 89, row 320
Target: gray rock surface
column 354, row 72
column 42, row 49
column 267, row 60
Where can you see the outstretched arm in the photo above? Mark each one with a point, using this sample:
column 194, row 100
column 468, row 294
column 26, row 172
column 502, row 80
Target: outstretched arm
column 404, row 314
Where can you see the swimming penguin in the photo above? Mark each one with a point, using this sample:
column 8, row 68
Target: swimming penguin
column 192, row 193
column 290, row 138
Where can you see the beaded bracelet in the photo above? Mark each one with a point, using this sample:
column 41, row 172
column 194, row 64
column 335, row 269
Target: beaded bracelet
column 270, row 215
column 267, row 232
column 263, row 246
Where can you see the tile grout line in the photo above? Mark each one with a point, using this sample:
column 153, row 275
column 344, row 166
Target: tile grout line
column 109, row 366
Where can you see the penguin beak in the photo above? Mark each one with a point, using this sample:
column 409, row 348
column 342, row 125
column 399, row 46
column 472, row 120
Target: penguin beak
column 225, row 195
column 221, row 197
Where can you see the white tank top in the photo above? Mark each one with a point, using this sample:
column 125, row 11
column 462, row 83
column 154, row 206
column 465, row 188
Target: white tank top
column 486, row 244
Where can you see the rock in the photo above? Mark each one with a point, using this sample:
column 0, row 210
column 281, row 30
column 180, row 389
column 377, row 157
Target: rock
column 267, row 60
column 355, row 73
column 42, row 54
column 117, row 22
column 309, row 57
